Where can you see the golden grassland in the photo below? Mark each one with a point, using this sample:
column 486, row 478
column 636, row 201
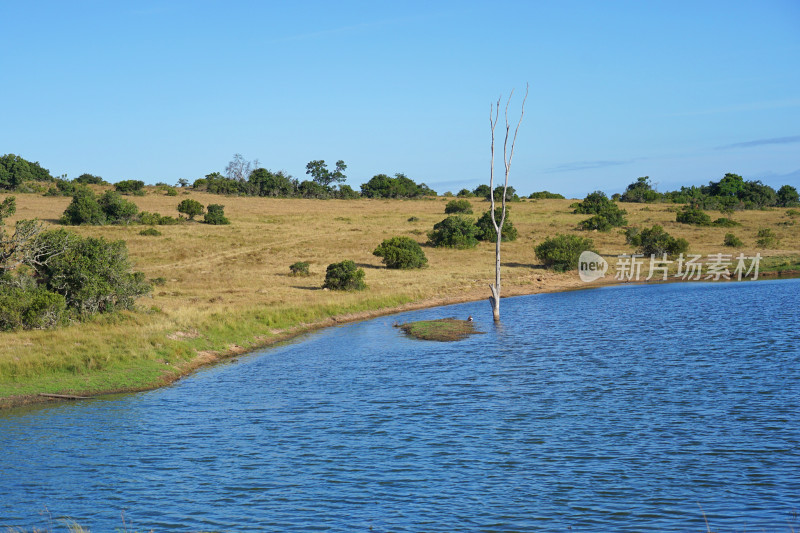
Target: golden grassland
column 227, row 289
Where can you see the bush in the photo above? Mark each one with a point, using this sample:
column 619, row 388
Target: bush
column 486, row 231
column 190, row 208
column 299, row 268
column 465, row 193
column 545, row 195
column 154, row 219
column 458, row 206
column 172, row 191
column 401, row 252
column 597, row 222
column 693, row 215
column 656, row 241
column 150, row 232
column 117, row 209
column 766, row 238
column 597, row 203
column 732, row 241
column 561, row 252
column 93, row 275
column 787, row 196
column 130, row 187
column 344, row 276
column 725, row 223
column 83, row 209
column 216, row 215
column 454, row 232
column 89, row 179
column 30, row 308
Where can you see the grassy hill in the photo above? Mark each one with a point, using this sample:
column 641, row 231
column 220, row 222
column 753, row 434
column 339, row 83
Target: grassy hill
column 226, row 289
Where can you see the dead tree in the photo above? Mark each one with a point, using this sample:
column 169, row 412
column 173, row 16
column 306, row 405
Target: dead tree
column 508, row 154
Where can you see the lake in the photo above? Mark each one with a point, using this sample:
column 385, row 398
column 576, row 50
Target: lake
column 624, row 408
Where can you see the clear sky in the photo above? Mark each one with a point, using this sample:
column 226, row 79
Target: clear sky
column 681, row 91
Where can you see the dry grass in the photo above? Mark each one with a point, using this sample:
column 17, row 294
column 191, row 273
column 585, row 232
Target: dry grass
column 228, row 288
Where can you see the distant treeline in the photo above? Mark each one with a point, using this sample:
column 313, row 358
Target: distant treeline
column 248, row 178
column 730, row 193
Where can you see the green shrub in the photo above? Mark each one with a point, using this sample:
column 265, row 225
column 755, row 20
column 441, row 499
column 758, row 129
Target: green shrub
column 89, row 179
column 725, row 223
column 656, row 241
column 117, row 209
column 766, row 238
column 545, row 195
column 130, row 187
column 172, row 191
column 344, row 276
column 93, row 275
column 597, row 222
column 30, row 307
column 793, row 213
column 458, row 206
column 632, row 236
column 299, row 268
column 200, row 184
column 561, row 252
column 401, row 252
column 787, row 196
column 693, row 215
column 454, row 232
column 150, row 232
column 154, row 219
column 465, row 193
column 732, row 241
column 216, row 215
column 486, row 231
column 597, row 203
column 190, row 208
column 83, row 209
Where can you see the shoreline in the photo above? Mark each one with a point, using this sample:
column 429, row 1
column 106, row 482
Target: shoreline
column 208, row 357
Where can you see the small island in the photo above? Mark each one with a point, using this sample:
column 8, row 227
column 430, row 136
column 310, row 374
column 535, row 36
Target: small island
column 443, row 329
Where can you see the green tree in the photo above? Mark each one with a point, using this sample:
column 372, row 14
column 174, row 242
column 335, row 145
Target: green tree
column 458, row 206
column 84, row 209
column 93, row 275
column 454, row 232
column 274, row 184
column 656, row 241
column 15, row 171
column 190, row 208
column 320, row 174
column 89, row 179
column 691, row 214
column 216, row 215
column 486, row 231
column 482, row 191
column 561, row 253
column 787, row 196
column 401, row 252
column 640, row 191
column 130, row 187
column 344, row 276
column 117, row 209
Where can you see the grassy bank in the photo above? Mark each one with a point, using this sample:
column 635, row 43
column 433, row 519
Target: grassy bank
column 227, row 289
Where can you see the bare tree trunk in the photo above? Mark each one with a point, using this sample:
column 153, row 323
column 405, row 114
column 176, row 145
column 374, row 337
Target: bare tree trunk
column 494, row 299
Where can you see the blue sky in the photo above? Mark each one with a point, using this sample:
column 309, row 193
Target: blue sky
column 680, row 91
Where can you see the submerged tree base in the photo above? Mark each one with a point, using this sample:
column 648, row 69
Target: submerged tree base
column 443, row 329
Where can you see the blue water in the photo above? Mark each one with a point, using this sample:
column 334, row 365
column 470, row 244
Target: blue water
column 617, row 409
